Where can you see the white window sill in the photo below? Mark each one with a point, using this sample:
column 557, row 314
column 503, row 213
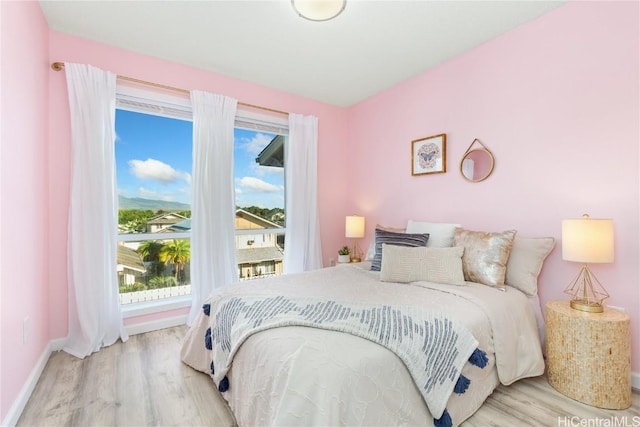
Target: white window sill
column 157, row 306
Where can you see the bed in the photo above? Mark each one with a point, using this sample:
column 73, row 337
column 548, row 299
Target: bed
column 293, row 372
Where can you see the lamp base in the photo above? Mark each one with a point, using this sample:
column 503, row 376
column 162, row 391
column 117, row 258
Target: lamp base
column 586, row 305
column 355, row 253
column 587, row 293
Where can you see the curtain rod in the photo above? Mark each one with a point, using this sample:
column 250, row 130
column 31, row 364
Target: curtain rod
column 58, row 66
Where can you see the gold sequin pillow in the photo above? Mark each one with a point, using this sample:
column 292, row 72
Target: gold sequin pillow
column 485, row 255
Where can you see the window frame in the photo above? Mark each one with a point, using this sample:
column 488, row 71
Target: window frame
column 173, row 106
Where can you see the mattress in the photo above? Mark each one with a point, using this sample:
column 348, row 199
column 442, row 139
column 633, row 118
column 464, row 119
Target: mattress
column 298, row 375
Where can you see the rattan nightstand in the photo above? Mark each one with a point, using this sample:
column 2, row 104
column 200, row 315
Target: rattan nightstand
column 588, row 355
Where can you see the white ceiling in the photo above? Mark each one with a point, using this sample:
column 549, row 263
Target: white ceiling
column 370, row 47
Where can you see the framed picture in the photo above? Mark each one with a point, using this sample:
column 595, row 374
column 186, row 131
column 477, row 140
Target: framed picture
column 429, row 155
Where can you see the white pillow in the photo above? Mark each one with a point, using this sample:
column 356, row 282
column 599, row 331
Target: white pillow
column 525, row 262
column 412, row 264
column 440, row 233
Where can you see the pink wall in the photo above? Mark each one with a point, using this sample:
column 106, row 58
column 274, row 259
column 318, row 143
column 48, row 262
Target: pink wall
column 23, row 166
column 556, row 101
column 332, row 169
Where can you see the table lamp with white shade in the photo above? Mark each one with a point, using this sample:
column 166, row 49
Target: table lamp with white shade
column 354, row 229
column 587, row 240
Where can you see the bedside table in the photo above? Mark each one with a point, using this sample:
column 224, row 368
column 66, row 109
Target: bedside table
column 588, row 355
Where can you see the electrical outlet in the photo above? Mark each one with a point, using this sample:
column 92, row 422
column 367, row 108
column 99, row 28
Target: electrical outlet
column 332, row 262
column 26, row 329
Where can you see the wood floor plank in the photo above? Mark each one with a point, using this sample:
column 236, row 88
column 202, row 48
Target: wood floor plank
column 143, row 383
column 129, row 388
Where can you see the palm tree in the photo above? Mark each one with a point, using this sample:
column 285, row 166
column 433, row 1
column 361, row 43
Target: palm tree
column 177, row 252
column 149, row 250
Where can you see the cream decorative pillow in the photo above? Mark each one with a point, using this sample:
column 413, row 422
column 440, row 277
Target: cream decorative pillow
column 525, row 262
column 371, row 251
column 398, row 239
column 485, row 255
column 406, row 264
column 440, row 233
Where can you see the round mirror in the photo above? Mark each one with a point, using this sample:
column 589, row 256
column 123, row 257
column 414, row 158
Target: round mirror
column 477, row 165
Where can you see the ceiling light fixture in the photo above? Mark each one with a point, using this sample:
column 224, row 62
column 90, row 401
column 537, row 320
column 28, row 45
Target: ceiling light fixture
column 318, row 10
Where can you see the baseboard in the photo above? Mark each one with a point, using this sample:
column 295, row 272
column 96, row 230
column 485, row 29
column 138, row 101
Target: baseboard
column 154, row 325
column 57, row 344
column 635, row 380
column 12, row 417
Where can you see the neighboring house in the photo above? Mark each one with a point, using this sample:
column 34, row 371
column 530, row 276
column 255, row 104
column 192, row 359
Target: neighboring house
column 259, row 253
column 163, row 220
column 273, row 154
column 130, row 266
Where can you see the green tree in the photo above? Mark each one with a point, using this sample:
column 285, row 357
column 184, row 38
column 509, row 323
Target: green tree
column 177, row 252
column 150, row 250
column 134, row 220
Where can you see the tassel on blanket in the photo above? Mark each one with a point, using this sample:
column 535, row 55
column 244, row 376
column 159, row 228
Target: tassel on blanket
column 206, row 309
column 443, row 421
column 224, row 385
column 207, row 340
column 479, row 358
column 461, row 385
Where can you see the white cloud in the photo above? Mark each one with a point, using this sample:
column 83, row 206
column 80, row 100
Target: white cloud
column 256, row 144
column 259, row 170
column 155, row 170
column 253, row 184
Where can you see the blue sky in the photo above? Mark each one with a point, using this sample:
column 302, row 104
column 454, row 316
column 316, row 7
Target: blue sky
column 153, row 161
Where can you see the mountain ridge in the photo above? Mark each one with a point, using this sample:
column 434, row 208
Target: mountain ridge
column 151, row 204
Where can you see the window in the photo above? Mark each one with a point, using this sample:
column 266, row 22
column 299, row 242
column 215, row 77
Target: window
column 260, row 216
column 153, row 169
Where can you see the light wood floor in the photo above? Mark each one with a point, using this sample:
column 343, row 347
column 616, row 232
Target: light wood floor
column 143, row 383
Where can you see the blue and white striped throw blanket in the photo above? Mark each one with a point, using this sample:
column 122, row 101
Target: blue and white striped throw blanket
column 433, row 347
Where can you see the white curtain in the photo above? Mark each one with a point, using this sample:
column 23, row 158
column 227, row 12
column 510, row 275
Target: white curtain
column 94, row 310
column 213, row 242
column 302, row 242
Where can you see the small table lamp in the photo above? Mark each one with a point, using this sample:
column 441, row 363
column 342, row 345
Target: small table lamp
column 354, row 229
column 587, row 240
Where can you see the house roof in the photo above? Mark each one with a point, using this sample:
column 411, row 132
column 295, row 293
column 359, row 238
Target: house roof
column 182, row 226
column 273, row 153
column 258, row 255
column 130, row 259
column 256, row 219
column 185, row 225
column 166, row 218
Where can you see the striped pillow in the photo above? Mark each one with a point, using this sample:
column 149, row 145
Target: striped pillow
column 397, row 239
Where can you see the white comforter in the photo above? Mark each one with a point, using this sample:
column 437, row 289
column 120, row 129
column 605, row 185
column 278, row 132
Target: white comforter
column 307, row 376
